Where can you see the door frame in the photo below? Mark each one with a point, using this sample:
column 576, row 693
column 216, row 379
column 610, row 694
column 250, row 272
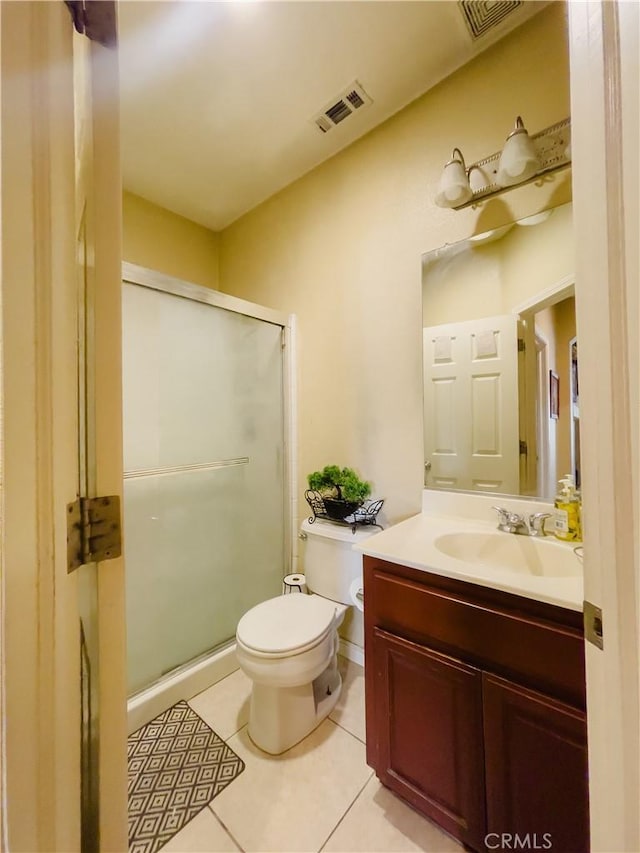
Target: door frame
column 542, row 412
column 605, row 92
column 101, row 185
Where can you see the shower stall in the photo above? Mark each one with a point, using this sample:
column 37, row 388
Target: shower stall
column 207, row 508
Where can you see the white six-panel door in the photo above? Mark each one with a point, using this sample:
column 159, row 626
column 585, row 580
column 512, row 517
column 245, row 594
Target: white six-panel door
column 471, row 405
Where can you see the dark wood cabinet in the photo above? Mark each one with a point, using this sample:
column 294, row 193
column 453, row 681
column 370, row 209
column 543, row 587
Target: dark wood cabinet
column 431, row 748
column 535, row 766
column 476, row 708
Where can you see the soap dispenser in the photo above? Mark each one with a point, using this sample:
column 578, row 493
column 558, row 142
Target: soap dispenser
column 566, row 522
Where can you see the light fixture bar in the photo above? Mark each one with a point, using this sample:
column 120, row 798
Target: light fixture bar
column 553, row 148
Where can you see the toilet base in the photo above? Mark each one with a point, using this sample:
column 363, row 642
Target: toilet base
column 280, row 717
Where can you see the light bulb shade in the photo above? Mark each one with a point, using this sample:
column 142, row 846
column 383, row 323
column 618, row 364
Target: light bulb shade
column 519, row 159
column 453, row 189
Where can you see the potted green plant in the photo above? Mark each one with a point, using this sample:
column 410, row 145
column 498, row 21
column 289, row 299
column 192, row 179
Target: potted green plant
column 341, row 489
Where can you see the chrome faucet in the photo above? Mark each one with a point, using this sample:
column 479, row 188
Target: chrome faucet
column 511, row 522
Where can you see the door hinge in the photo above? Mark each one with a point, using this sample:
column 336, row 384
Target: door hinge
column 94, row 532
column 593, row 631
column 523, row 448
column 521, row 345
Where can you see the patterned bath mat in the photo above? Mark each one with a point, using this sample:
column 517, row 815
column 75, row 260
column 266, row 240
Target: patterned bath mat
column 177, row 765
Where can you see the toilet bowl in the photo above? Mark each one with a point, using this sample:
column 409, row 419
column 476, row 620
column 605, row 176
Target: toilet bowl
column 288, row 645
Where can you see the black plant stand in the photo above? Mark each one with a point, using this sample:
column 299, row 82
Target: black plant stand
column 362, row 515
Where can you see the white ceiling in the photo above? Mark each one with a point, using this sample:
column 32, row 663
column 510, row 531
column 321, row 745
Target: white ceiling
column 218, row 97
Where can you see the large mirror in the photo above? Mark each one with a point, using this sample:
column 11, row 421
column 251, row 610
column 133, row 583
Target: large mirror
column 500, row 354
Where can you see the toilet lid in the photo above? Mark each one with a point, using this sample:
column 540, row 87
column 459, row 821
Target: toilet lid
column 287, row 623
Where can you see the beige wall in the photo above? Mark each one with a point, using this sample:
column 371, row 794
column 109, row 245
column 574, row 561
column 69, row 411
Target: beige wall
column 470, row 281
column 342, row 249
column 538, row 257
column 155, row 238
column 462, row 282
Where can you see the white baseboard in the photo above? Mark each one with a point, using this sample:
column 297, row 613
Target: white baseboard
column 184, row 684
column 351, row 651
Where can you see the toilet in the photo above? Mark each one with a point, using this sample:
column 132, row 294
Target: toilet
column 288, row 645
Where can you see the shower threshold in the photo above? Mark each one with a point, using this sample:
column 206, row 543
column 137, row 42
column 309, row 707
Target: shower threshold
column 183, row 682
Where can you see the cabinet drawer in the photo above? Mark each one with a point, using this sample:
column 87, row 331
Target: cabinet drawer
column 489, row 629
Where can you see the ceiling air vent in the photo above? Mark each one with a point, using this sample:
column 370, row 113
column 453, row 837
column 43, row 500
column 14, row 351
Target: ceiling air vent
column 341, row 107
column 483, row 15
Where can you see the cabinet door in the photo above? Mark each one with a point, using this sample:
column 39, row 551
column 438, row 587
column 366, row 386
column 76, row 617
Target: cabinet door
column 429, row 713
column 536, row 767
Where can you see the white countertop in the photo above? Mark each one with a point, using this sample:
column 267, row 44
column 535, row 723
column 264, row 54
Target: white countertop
column 411, row 543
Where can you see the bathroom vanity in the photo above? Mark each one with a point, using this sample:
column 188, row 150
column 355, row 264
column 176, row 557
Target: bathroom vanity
column 475, row 695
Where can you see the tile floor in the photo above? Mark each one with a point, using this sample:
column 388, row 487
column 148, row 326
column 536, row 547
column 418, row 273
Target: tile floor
column 318, row 796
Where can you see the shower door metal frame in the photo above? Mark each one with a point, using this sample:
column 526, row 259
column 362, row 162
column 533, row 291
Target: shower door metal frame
column 153, row 280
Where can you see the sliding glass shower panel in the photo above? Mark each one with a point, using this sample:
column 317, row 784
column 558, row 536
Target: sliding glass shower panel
column 204, row 475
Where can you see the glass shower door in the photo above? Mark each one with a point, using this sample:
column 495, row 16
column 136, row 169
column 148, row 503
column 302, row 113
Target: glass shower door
column 204, row 475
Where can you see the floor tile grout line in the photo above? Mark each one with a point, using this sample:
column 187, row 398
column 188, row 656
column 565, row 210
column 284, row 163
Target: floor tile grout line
column 225, row 739
column 348, row 731
column 211, row 805
column 364, row 743
column 349, row 807
column 237, row 731
column 225, row 827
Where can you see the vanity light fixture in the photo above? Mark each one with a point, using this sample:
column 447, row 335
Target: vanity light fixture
column 523, row 159
column 519, row 159
column 454, row 189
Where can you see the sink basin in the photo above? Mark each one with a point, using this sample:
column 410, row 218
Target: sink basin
column 524, row 555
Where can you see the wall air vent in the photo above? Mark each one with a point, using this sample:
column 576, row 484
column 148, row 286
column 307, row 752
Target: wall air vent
column 341, row 107
column 483, row 15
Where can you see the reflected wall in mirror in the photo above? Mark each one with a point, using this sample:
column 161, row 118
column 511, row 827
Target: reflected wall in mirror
column 500, row 355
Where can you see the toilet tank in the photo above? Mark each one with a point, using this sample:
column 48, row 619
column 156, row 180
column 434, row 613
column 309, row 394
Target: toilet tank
column 329, row 564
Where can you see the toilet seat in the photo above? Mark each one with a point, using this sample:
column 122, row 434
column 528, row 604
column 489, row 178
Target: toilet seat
column 286, row 625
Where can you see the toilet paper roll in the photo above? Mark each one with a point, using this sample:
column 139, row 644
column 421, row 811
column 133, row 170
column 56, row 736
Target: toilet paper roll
column 294, row 583
column 356, row 594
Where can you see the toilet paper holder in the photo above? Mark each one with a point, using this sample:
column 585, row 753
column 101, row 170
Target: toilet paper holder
column 356, row 593
column 294, row 583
